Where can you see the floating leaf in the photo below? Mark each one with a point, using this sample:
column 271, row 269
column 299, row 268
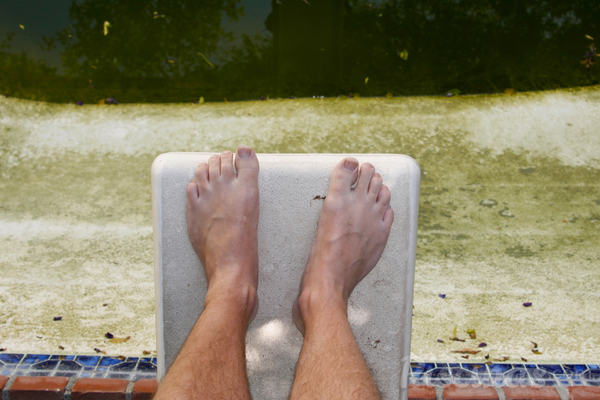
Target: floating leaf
column 403, row 54
column 206, row 59
column 106, row 26
column 467, row 351
column 109, row 335
column 59, row 318
column 21, row 26
column 528, row 304
column 97, row 350
column 157, row 15
column 201, row 100
column 589, row 37
column 366, row 80
column 472, row 333
column 119, row 340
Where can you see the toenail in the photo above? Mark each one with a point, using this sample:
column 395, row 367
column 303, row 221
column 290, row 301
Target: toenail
column 244, row 152
column 350, row 164
column 226, row 153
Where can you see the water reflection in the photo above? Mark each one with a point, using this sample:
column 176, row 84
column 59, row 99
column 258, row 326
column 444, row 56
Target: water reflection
column 159, row 51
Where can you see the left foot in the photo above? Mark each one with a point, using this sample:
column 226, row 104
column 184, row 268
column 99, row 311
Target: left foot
column 222, row 220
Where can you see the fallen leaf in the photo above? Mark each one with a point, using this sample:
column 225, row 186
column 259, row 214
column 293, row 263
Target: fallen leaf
column 535, row 345
column 467, row 351
column 472, row 333
column 119, row 340
column 146, row 352
column 57, row 318
column 121, row 358
column 528, row 304
column 589, row 37
column 536, row 351
column 3, row 349
column 106, row 26
column 97, row 350
column 524, row 359
column 366, row 80
column 109, row 335
column 501, row 359
column 457, row 339
column 104, row 305
column 61, row 347
column 443, row 296
column 21, row 26
column 482, row 344
column 465, row 357
column 440, row 341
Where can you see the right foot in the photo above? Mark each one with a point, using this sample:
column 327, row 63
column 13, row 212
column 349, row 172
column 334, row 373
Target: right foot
column 352, row 232
column 222, row 220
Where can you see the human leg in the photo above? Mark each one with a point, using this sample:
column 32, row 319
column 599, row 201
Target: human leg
column 353, row 229
column 222, row 217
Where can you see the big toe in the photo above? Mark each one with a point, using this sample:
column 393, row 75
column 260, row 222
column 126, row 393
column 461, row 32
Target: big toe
column 344, row 175
column 246, row 162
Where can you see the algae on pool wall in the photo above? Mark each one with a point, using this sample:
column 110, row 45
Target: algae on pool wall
column 509, row 213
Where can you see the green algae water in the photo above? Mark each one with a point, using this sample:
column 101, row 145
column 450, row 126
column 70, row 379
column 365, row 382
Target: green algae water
column 183, row 51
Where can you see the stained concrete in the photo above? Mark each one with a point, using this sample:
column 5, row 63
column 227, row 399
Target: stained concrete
column 509, row 213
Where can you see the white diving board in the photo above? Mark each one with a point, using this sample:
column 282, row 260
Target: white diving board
column 380, row 308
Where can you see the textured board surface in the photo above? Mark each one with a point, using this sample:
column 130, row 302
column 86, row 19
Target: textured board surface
column 379, row 308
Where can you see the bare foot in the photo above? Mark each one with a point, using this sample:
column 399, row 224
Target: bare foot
column 222, row 220
column 353, row 229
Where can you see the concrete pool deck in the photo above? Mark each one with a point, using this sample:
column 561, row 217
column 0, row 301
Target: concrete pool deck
column 509, row 213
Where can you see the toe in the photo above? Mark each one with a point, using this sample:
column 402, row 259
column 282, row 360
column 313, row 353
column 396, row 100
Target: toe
column 375, row 185
column 214, row 167
column 384, row 196
column 192, row 192
column 201, row 175
column 344, row 175
column 366, row 174
column 246, row 163
column 388, row 217
column 227, row 164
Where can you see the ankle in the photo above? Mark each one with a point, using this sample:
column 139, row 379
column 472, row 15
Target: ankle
column 321, row 303
column 233, row 299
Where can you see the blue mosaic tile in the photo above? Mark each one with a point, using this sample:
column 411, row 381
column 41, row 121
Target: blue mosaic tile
column 88, row 361
column 69, row 366
column 8, row 358
column 135, row 368
column 46, row 365
column 573, row 370
column 146, row 367
column 34, row 358
column 124, row 366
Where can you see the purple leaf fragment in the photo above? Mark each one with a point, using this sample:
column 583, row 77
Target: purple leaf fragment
column 79, row 103
column 57, row 318
column 109, row 335
column 528, row 304
column 440, row 341
column 482, row 344
column 443, row 296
